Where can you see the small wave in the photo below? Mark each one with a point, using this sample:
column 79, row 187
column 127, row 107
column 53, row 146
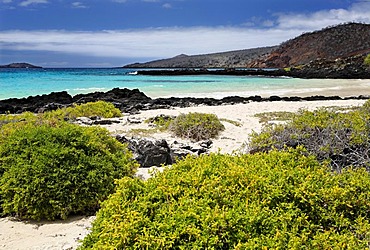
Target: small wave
column 87, row 89
column 132, row 73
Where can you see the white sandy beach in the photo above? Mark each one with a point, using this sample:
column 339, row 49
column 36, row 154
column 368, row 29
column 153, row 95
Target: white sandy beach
column 65, row 234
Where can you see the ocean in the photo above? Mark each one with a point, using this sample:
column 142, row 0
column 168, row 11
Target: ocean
column 17, row 83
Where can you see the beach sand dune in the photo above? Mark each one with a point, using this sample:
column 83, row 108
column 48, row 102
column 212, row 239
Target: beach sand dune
column 66, row 234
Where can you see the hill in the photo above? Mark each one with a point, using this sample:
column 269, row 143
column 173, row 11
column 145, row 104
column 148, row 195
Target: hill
column 341, row 41
column 233, row 59
column 20, row 66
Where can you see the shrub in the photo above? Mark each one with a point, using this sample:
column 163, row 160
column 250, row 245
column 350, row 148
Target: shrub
column 341, row 138
column 52, row 169
column 367, row 60
column 99, row 108
column 162, row 122
column 279, row 200
column 265, row 117
column 10, row 118
column 196, row 126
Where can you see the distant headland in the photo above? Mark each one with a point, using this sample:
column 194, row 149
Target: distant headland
column 20, row 66
column 341, row 51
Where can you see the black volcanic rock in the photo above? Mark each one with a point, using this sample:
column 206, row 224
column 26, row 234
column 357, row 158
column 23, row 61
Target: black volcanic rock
column 20, row 66
column 231, row 72
column 345, row 68
column 132, row 101
column 35, row 104
column 114, row 95
column 124, row 99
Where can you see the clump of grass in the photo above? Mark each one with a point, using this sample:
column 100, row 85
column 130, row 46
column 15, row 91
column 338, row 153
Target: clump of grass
column 162, row 122
column 142, row 132
column 341, row 109
column 265, row 117
column 235, row 123
column 196, row 126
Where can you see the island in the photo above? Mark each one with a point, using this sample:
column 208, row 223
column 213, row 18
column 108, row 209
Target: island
column 20, row 66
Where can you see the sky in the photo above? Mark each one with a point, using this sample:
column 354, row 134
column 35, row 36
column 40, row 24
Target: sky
column 112, row 33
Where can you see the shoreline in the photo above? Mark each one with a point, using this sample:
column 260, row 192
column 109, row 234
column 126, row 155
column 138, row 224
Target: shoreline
column 133, row 100
column 294, row 72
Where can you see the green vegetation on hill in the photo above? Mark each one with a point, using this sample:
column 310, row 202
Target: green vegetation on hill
column 276, row 200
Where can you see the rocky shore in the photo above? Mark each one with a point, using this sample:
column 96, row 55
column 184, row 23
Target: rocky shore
column 347, row 68
column 133, row 101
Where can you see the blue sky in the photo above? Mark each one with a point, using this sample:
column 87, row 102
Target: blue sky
column 108, row 33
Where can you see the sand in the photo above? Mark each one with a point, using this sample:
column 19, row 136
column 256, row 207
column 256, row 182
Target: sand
column 66, row 234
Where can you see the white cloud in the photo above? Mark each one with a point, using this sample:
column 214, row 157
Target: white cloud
column 153, row 43
column 358, row 12
column 78, row 5
column 29, row 2
column 167, row 6
column 6, row 1
column 167, row 42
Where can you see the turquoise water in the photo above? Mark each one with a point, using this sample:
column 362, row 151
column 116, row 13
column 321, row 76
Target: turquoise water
column 16, row 83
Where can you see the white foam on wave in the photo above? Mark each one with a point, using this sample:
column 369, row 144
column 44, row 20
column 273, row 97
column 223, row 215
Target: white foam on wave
column 264, row 92
column 89, row 89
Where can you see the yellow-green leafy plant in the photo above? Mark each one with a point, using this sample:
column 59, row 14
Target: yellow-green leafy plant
column 367, row 60
column 49, row 170
column 340, row 137
column 99, row 108
column 276, row 200
column 265, row 117
column 162, row 122
column 11, row 118
column 196, row 126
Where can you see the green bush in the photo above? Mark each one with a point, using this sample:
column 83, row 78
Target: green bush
column 340, row 137
column 99, row 108
column 367, row 60
column 50, row 169
column 162, row 122
column 196, row 126
column 10, row 118
column 279, row 200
